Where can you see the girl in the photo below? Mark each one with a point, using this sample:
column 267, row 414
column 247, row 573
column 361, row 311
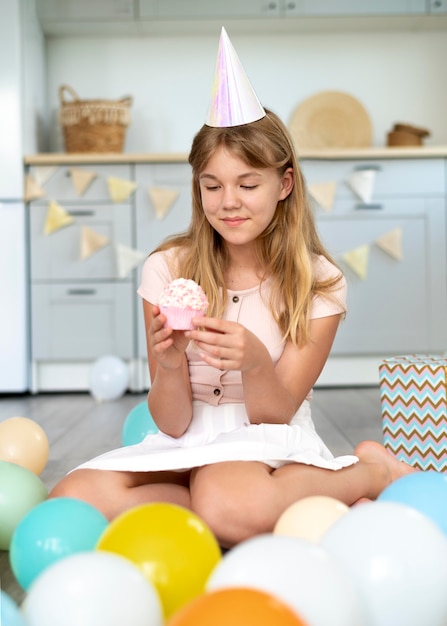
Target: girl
column 231, row 398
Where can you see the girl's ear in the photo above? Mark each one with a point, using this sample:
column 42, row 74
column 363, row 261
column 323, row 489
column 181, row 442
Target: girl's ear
column 287, row 182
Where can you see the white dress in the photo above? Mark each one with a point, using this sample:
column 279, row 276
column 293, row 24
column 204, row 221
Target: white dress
column 220, row 429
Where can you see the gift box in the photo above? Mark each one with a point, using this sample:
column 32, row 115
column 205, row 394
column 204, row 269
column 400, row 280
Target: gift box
column 413, row 395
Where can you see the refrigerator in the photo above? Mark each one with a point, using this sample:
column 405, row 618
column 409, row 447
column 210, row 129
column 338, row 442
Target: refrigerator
column 14, row 358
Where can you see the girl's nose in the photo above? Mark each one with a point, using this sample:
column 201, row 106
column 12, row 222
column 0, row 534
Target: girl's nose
column 231, row 199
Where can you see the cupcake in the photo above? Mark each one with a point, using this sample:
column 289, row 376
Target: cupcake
column 181, row 300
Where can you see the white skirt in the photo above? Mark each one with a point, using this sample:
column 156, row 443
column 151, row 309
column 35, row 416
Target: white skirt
column 224, row 433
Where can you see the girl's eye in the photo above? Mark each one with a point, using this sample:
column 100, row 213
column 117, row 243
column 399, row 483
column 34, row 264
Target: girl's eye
column 248, row 186
column 209, row 188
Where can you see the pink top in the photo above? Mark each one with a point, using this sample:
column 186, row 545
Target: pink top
column 246, row 307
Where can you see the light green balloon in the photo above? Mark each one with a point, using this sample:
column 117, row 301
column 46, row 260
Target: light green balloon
column 20, row 491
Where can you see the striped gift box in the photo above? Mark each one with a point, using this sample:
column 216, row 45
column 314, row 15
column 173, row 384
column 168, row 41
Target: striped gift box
column 413, row 395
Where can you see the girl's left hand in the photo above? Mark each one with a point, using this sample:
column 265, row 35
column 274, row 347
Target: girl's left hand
column 227, row 345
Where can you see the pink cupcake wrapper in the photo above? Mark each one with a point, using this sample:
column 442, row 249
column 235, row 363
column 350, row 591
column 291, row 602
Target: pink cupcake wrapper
column 180, row 319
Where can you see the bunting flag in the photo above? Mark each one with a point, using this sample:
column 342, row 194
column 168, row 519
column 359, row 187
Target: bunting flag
column 33, row 191
column 391, row 243
column 56, row 218
column 91, row 242
column 162, row 200
column 127, row 259
column 43, row 173
column 120, row 190
column 81, row 179
column 323, row 194
column 357, row 259
column 362, row 184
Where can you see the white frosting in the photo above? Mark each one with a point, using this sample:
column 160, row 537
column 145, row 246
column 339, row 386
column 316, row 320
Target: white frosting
column 183, row 293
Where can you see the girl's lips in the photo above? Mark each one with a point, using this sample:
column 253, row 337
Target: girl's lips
column 234, row 221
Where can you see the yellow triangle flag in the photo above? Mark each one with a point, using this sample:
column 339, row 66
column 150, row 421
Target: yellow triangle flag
column 91, row 242
column 391, row 243
column 323, row 194
column 57, row 217
column 162, row 199
column 127, row 259
column 120, row 190
column 33, row 191
column 81, row 179
column 357, row 259
column 362, row 184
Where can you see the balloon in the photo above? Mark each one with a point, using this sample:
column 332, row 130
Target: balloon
column 398, row 559
column 310, row 517
column 51, row 531
column 9, row 611
column 92, row 589
column 24, row 442
column 137, row 425
column 172, row 546
column 236, row 607
column 424, row 491
column 109, row 378
column 20, row 491
column 299, row 573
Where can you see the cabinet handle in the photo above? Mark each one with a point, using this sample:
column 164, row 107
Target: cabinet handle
column 368, row 207
column 362, row 168
column 81, row 212
column 81, row 292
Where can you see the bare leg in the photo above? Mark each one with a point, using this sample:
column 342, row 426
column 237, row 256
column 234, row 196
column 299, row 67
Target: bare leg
column 113, row 493
column 241, row 499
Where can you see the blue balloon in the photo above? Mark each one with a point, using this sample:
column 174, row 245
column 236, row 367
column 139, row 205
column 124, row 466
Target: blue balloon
column 9, row 612
column 51, row 531
column 423, row 491
column 137, row 425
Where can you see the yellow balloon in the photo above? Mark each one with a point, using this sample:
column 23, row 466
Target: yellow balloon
column 24, row 442
column 172, row 546
column 310, row 517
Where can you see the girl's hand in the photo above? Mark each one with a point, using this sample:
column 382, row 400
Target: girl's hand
column 167, row 345
column 227, row 345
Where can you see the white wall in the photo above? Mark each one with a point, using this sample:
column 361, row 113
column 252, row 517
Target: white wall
column 398, row 77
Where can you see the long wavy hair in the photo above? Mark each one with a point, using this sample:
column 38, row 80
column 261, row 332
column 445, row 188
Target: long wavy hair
column 286, row 249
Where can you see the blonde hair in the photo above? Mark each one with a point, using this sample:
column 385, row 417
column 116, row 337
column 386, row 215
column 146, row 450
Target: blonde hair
column 286, row 249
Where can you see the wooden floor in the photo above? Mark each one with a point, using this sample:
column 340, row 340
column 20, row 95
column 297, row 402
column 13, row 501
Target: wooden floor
column 78, row 428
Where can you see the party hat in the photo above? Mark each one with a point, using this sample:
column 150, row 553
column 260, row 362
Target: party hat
column 233, row 100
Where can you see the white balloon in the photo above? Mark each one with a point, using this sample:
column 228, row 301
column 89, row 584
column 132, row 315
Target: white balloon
column 398, row 558
column 299, row 572
column 92, row 589
column 109, row 378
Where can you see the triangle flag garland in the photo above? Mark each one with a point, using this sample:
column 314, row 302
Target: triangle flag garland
column 362, row 184
column 391, row 243
column 120, row 190
column 57, row 217
column 33, row 191
column 81, row 179
column 357, row 259
column 127, row 259
column 323, row 194
column 42, row 173
column 162, row 199
column 91, row 242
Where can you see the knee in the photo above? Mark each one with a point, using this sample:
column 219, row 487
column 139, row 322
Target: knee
column 74, row 485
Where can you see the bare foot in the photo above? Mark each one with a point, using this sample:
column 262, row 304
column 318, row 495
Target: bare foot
column 361, row 501
column 373, row 452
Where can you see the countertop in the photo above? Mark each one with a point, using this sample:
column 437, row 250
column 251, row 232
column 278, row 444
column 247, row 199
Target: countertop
column 380, row 152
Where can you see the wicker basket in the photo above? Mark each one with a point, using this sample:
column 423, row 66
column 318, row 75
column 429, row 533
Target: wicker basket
column 93, row 125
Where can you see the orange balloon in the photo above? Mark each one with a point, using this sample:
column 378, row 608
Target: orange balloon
column 24, row 442
column 237, row 606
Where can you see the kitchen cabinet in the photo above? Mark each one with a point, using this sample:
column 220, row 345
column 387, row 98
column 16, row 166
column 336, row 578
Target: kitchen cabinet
column 400, row 306
column 82, row 309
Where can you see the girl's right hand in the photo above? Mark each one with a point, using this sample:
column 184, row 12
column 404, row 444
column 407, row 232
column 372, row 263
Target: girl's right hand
column 167, row 345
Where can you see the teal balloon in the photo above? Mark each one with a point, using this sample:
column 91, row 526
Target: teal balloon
column 52, row 531
column 424, row 491
column 137, row 425
column 20, row 491
column 9, row 611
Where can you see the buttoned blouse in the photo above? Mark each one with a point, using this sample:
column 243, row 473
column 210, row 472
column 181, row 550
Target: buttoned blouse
column 249, row 307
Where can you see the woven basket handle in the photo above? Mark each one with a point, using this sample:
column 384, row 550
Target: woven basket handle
column 126, row 100
column 71, row 91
